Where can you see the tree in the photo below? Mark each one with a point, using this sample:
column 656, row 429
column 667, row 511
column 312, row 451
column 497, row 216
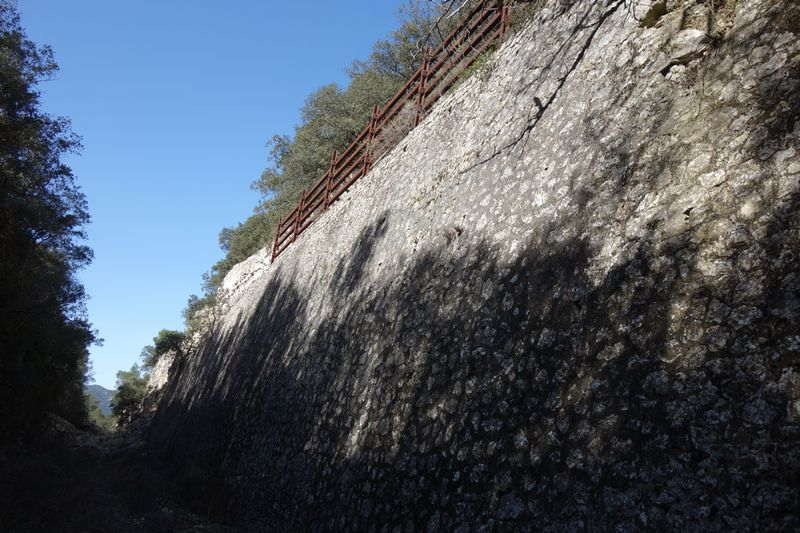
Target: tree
column 330, row 119
column 96, row 416
column 131, row 390
column 193, row 312
column 44, row 334
column 166, row 341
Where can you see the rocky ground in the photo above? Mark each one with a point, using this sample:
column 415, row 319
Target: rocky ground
column 70, row 480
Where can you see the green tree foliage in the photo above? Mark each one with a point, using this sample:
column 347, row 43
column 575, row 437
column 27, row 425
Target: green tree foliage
column 194, row 307
column 131, row 389
column 132, row 384
column 167, row 340
column 96, row 416
column 44, row 334
column 330, row 119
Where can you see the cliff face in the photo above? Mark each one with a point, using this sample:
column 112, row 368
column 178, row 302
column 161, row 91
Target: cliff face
column 569, row 299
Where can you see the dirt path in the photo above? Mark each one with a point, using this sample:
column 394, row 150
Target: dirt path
column 81, row 482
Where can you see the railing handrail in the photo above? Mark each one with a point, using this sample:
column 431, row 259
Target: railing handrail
column 459, row 50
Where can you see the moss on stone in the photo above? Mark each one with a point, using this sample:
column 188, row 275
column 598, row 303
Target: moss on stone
column 522, row 13
column 481, row 66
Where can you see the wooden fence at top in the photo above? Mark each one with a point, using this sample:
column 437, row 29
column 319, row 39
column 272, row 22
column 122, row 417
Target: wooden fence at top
column 440, row 69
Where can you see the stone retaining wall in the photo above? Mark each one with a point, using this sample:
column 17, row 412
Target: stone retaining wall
column 568, row 300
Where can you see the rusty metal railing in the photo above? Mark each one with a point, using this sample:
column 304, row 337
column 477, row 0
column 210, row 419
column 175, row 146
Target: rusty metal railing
column 440, row 70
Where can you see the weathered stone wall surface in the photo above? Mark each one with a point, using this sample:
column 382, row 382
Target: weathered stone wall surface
column 569, row 300
column 159, row 375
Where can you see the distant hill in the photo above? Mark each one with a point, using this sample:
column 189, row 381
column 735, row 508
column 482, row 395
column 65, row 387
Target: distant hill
column 103, row 396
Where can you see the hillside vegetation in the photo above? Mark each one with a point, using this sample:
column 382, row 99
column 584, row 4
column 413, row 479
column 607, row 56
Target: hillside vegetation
column 330, row 119
column 44, row 333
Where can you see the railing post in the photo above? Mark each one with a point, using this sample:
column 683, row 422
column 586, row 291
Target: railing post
column 329, row 181
column 373, row 133
column 275, row 242
column 298, row 215
column 436, row 75
column 505, row 12
column 368, row 140
column 421, row 87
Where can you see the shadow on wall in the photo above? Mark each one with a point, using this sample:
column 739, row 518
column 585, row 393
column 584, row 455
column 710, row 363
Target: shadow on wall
column 477, row 392
column 531, row 390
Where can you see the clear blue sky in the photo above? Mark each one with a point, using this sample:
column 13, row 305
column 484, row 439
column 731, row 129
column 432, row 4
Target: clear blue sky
column 175, row 100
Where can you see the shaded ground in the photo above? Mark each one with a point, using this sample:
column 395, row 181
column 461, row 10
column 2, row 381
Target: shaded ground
column 73, row 481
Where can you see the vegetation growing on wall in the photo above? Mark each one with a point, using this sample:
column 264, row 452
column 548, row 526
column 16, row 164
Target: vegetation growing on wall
column 166, row 341
column 331, row 117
